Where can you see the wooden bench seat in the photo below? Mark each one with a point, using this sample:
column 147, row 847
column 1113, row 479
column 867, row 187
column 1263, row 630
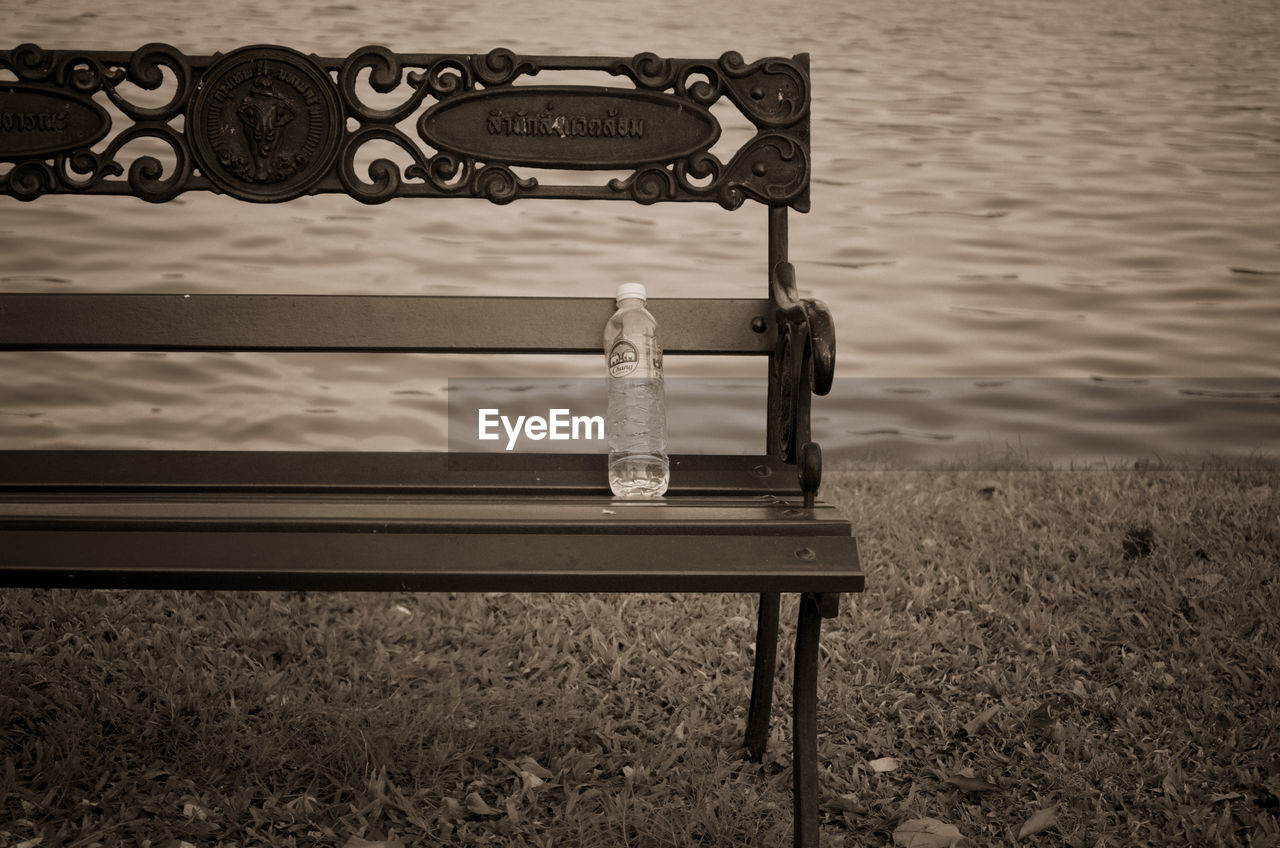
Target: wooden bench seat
column 142, row 519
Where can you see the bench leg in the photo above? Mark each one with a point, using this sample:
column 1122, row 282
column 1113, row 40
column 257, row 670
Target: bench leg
column 762, row 681
column 804, row 723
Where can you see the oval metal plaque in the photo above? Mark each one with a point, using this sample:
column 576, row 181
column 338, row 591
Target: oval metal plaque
column 576, row 127
column 40, row 121
column 265, row 123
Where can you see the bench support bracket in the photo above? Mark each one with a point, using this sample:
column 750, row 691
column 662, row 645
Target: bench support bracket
column 804, row 702
column 762, row 681
column 804, row 723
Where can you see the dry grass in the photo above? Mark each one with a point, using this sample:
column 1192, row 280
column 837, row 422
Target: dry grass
column 1102, row 644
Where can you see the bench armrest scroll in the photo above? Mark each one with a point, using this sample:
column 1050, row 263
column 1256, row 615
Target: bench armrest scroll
column 809, row 318
column 803, row 364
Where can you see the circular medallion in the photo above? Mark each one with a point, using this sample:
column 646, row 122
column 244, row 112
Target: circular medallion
column 265, row 123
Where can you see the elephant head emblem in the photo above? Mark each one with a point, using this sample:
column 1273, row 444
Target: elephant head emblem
column 264, row 113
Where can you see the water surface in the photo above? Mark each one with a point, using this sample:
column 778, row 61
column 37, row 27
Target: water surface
column 1044, row 225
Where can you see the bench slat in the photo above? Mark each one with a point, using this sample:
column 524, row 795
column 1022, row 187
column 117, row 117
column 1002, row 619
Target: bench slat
column 371, row 471
column 453, row 562
column 425, row 514
column 370, row 324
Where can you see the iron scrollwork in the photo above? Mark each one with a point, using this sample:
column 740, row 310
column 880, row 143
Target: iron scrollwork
column 803, row 365
column 267, row 124
column 772, row 93
column 440, row 78
column 72, row 166
column 772, row 168
column 501, row 67
column 385, row 174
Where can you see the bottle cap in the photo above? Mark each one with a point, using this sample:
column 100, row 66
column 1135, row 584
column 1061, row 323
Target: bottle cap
column 630, row 290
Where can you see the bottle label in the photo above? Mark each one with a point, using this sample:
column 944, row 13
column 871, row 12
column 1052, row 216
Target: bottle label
column 624, row 359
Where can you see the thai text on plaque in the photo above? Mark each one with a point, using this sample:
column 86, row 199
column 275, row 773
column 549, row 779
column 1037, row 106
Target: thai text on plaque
column 40, row 120
column 569, row 126
column 609, row 125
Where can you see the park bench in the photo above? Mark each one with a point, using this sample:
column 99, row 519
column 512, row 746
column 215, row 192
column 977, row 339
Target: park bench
column 267, row 124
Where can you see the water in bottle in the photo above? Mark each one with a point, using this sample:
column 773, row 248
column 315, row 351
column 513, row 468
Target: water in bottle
column 636, row 423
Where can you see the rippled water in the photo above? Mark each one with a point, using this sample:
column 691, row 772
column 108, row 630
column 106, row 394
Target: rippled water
column 1050, row 225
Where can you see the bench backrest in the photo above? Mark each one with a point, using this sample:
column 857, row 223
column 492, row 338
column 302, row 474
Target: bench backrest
column 269, row 124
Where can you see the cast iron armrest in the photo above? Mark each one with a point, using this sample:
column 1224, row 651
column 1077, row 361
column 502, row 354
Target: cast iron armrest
column 811, row 315
column 803, row 365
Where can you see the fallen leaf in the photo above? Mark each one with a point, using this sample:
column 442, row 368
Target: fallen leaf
column 1230, row 796
column 452, row 809
column 842, row 804
column 883, row 764
column 1042, row 717
column 531, row 765
column 1045, row 720
column 972, row 784
column 1042, row 820
column 980, row 720
column 477, row 805
column 926, row 833
column 194, row 811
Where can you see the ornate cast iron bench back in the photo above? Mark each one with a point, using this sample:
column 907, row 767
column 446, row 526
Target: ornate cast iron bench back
column 268, row 123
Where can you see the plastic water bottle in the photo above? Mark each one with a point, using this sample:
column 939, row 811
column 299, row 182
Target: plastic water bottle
column 636, row 423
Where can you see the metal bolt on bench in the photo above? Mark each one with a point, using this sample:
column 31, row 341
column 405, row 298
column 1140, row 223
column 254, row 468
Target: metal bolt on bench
column 267, row 124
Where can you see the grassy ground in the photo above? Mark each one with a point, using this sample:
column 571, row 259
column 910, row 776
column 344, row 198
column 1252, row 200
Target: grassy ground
column 1093, row 653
